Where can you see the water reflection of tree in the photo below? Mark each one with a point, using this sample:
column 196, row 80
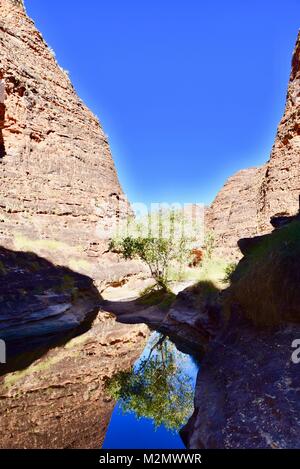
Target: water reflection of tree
column 157, row 388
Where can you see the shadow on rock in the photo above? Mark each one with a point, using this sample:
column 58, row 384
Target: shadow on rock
column 42, row 306
column 190, row 320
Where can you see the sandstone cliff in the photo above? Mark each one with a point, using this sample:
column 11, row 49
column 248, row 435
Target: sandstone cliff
column 59, row 198
column 59, row 189
column 248, row 200
column 280, row 189
column 233, row 213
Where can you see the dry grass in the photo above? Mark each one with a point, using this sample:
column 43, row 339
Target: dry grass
column 211, row 270
column 21, row 243
column 153, row 296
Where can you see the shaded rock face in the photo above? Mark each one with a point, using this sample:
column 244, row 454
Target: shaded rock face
column 248, row 388
column 247, row 392
column 265, row 283
column 246, row 203
column 41, row 305
column 60, row 400
column 59, row 189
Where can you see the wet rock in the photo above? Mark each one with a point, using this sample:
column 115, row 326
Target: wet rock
column 187, row 325
column 41, row 304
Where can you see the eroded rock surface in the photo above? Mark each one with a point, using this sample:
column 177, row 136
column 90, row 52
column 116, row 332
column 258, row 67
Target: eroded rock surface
column 59, row 189
column 60, row 350
column 187, row 323
column 59, row 201
column 280, row 189
column 234, row 212
column 247, row 201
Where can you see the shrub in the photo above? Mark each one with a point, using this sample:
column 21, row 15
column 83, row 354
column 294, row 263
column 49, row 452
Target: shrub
column 229, row 271
column 209, row 244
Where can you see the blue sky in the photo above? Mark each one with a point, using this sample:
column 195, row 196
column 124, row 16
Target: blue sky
column 188, row 92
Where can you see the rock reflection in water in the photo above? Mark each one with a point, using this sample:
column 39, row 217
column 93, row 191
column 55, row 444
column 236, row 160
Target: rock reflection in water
column 155, row 398
column 60, row 400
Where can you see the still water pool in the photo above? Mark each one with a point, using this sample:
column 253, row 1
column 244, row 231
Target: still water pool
column 155, row 399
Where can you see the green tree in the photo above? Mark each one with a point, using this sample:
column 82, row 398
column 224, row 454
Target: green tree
column 160, row 241
column 156, row 389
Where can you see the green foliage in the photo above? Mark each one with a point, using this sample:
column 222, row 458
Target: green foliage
column 229, row 271
column 209, row 244
column 160, row 241
column 155, row 389
column 213, row 270
column 266, row 282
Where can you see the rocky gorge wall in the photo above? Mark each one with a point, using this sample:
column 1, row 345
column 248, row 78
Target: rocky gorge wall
column 59, row 189
column 280, row 188
column 59, row 199
column 233, row 214
column 251, row 197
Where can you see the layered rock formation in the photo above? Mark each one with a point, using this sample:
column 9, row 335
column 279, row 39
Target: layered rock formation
column 41, row 305
column 248, row 200
column 59, row 191
column 247, row 391
column 234, row 213
column 59, row 201
column 280, row 189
